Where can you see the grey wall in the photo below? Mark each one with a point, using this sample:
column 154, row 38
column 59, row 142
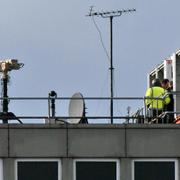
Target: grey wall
column 79, row 141
column 123, row 142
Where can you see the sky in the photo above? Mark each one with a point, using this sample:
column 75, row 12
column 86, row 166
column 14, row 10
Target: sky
column 61, row 50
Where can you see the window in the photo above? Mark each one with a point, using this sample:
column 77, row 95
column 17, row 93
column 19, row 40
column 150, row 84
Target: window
column 155, row 169
column 36, row 169
column 96, row 169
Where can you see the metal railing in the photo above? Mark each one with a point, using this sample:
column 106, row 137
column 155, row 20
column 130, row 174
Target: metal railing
column 140, row 115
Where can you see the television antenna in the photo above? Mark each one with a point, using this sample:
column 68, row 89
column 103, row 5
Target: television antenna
column 110, row 15
column 6, row 66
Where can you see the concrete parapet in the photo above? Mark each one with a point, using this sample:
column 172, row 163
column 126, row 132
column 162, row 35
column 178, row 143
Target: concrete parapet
column 90, row 141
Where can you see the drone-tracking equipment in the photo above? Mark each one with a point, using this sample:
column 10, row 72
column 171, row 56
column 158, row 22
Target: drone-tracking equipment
column 10, row 64
column 7, row 65
column 51, row 103
column 77, row 109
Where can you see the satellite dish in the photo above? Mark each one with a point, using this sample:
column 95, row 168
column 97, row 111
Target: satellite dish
column 76, row 108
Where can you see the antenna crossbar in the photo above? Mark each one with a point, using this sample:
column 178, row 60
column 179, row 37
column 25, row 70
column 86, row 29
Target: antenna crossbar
column 110, row 13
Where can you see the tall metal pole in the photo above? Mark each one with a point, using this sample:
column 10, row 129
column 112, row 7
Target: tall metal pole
column 111, row 69
column 110, row 15
column 5, row 96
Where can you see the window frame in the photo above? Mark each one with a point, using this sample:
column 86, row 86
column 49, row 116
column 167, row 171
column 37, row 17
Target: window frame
column 155, row 160
column 1, row 170
column 38, row 160
column 117, row 161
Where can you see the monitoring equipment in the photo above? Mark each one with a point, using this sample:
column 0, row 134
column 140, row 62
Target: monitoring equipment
column 51, row 103
column 10, row 64
column 7, row 65
column 76, row 110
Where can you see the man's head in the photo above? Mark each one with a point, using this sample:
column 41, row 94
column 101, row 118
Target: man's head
column 165, row 83
column 156, row 82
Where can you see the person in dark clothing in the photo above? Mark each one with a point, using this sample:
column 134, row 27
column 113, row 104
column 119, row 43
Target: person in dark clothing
column 169, row 118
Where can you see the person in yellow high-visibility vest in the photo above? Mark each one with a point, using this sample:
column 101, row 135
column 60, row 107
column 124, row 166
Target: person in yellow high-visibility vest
column 156, row 106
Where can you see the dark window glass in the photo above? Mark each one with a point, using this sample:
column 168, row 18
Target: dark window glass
column 95, row 170
column 154, row 170
column 35, row 170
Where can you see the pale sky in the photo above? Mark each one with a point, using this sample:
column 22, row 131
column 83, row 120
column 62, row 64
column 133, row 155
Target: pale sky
column 61, row 48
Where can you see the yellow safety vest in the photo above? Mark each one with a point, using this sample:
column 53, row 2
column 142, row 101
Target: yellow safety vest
column 156, row 92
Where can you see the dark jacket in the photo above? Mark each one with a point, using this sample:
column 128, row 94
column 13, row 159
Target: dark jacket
column 170, row 106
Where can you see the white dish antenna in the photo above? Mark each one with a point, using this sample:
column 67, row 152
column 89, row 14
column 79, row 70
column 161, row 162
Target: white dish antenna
column 76, row 108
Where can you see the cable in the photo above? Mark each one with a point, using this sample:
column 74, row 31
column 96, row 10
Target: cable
column 99, row 103
column 101, row 39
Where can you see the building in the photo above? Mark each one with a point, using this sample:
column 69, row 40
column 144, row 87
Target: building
column 62, row 151
column 77, row 152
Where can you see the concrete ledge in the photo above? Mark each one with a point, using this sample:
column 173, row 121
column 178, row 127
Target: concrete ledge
column 96, row 142
column 38, row 142
column 90, row 140
column 153, row 142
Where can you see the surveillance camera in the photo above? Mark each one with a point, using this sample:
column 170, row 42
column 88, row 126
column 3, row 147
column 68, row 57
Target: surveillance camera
column 10, row 64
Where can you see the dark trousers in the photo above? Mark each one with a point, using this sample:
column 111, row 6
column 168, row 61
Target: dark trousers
column 154, row 116
column 169, row 118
